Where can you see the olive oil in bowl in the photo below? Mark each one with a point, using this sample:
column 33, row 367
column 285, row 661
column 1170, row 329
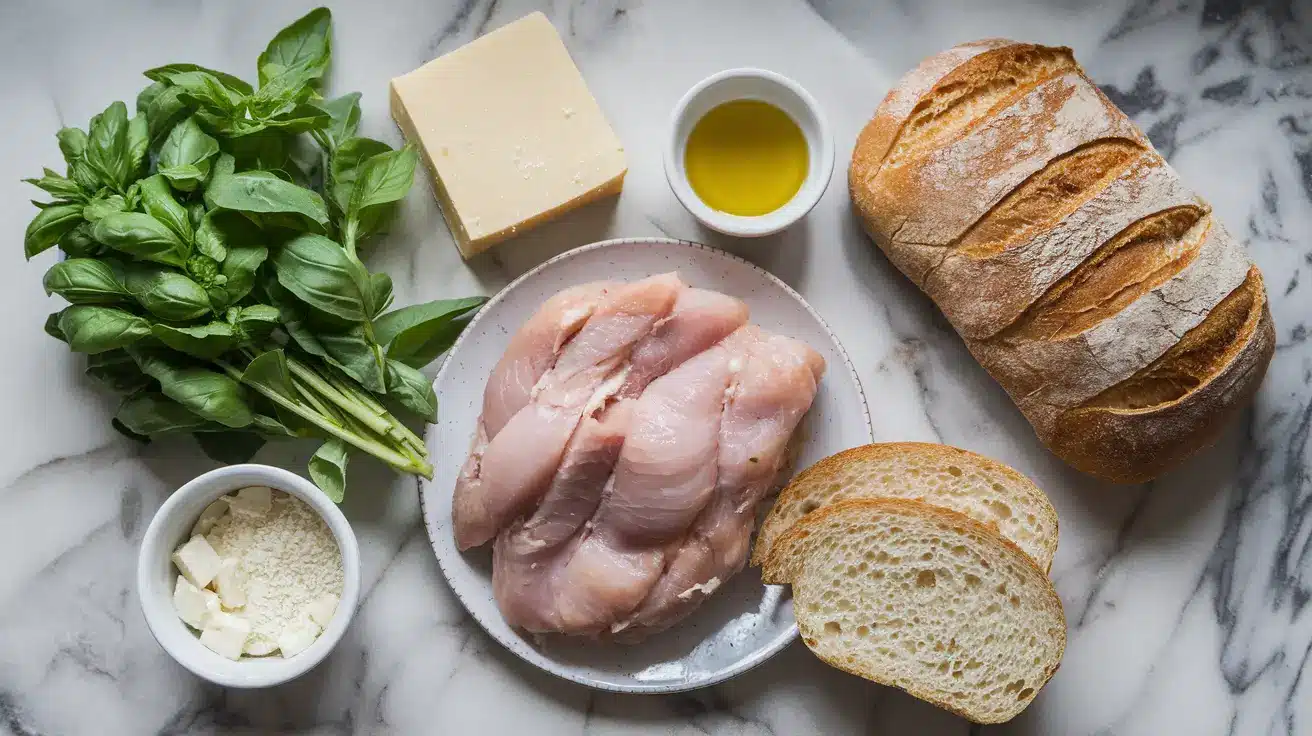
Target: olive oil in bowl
column 746, row 158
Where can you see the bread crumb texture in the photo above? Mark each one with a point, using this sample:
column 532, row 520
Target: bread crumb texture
column 928, row 601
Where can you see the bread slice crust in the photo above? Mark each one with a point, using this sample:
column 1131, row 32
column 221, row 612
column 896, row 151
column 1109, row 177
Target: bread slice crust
column 1012, row 494
column 803, row 550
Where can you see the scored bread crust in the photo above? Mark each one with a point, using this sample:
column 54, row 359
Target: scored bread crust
column 788, row 559
column 817, row 483
column 1010, row 181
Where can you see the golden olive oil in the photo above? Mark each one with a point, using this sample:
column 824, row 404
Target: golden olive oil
column 746, row 158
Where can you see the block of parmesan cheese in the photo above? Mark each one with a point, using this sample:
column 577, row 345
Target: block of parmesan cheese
column 509, row 132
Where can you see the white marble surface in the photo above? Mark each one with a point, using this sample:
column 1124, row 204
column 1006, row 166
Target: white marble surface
column 1187, row 598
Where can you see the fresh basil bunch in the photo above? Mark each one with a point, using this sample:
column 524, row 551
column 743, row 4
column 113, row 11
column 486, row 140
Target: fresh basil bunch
column 213, row 271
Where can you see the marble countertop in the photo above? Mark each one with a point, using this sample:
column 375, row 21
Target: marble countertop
column 1187, row 598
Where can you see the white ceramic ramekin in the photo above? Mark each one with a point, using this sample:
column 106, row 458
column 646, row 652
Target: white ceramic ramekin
column 766, row 86
column 156, row 577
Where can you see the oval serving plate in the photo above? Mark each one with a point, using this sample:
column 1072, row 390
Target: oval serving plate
column 745, row 622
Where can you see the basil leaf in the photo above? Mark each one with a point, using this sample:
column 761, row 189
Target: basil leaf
column 383, row 179
column 220, row 230
column 412, row 390
column 60, row 187
column 78, row 243
column 100, row 207
column 185, row 157
column 164, row 109
column 142, row 237
column 49, row 225
column 272, row 427
column 160, row 204
column 86, row 177
column 268, row 151
column 304, row 44
column 118, row 371
column 269, row 371
column 229, row 448
column 357, row 356
column 299, row 119
column 123, row 430
column 85, row 281
column 293, row 319
column 346, row 164
column 321, row 274
column 167, row 294
column 344, row 113
column 239, row 268
column 138, row 145
column 256, row 322
column 72, row 143
column 210, row 395
column 161, row 74
column 151, row 414
column 107, row 149
column 328, row 469
column 261, row 192
column 206, row 91
column 417, row 334
column 92, row 329
column 206, row 342
column 51, row 327
column 380, row 293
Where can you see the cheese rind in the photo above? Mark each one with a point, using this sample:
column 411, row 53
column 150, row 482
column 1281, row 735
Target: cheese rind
column 509, row 132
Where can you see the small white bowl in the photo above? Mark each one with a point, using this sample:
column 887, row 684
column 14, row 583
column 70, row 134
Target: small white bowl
column 156, row 577
column 765, row 86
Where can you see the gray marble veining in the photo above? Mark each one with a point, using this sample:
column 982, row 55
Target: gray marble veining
column 1187, row 598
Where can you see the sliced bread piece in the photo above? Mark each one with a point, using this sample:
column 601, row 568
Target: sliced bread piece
column 987, row 491
column 924, row 599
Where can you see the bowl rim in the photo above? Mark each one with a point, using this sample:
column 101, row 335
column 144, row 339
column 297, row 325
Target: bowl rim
column 178, row 639
column 802, row 202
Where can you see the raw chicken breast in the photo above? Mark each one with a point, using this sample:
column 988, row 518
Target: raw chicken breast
column 520, row 460
column 627, row 436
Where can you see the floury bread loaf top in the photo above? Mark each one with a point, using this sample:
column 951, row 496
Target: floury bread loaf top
column 1100, row 291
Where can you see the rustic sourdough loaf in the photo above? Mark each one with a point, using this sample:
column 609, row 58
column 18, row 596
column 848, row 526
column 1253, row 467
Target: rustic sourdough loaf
column 987, row 491
column 1102, row 294
column 924, row 599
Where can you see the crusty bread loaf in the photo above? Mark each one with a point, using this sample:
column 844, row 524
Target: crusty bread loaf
column 987, row 491
column 924, row 599
column 1082, row 274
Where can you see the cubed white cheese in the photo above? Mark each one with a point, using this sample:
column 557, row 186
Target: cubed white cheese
column 230, row 582
column 198, row 561
column 189, row 602
column 225, row 634
column 321, row 609
column 209, row 517
column 509, row 131
column 253, row 501
column 297, row 636
column 212, row 605
column 259, row 645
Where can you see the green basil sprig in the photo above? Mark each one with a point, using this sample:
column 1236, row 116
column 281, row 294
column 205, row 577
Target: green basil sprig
column 213, row 270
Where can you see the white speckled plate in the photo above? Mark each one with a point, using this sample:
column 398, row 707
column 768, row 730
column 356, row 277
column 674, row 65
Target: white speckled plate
column 745, row 622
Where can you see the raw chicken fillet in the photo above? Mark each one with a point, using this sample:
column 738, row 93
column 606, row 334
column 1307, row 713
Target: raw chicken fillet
column 627, row 435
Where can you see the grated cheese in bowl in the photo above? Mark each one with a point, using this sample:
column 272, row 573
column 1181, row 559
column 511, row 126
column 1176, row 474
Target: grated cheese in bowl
column 261, row 574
